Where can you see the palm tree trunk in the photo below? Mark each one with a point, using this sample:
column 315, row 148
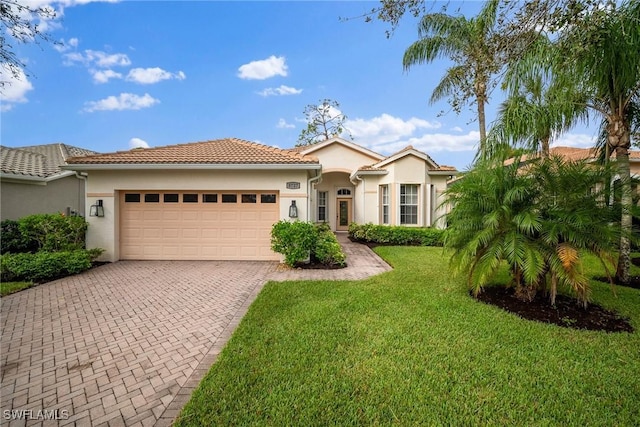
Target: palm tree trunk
column 620, row 138
column 482, row 125
column 544, row 147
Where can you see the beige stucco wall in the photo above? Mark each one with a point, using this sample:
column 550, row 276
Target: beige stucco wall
column 338, row 157
column 18, row 199
column 331, row 183
column 406, row 170
column 105, row 185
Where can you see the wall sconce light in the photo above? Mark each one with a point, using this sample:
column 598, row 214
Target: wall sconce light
column 293, row 210
column 97, row 209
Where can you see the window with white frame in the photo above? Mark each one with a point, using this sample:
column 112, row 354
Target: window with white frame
column 384, row 203
column 322, row 206
column 409, row 203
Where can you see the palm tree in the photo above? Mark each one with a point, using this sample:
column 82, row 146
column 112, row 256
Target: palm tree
column 603, row 57
column 539, row 223
column 472, row 45
column 534, row 114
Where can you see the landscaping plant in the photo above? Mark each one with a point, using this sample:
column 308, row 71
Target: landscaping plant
column 539, row 219
column 300, row 241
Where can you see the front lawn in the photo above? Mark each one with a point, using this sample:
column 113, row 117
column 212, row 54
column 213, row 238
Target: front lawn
column 7, row 288
column 410, row 347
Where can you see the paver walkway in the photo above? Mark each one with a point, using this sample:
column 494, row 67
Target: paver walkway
column 126, row 343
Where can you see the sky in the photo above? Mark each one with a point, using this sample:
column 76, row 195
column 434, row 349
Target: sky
column 153, row 73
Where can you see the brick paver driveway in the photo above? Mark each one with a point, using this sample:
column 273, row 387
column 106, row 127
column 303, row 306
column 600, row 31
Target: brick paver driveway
column 122, row 344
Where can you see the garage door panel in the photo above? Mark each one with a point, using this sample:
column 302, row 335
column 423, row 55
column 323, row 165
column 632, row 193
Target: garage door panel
column 190, row 233
column 213, row 230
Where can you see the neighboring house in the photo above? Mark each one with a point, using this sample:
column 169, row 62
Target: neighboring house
column 32, row 182
column 218, row 199
column 587, row 154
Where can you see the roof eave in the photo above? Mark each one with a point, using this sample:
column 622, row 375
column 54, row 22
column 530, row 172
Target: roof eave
column 191, row 166
column 12, row 177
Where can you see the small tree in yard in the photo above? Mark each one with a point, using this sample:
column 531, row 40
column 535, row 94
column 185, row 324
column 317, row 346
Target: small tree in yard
column 324, row 121
column 539, row 220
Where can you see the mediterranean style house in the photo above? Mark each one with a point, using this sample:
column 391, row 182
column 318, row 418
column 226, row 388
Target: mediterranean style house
column 32, row 181
column 217, row 200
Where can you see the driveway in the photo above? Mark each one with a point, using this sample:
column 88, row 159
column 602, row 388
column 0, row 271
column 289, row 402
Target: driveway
column 122, row 344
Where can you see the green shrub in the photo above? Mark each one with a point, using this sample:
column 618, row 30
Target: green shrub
column 43, row 266
column 299, row 241
column 12, row 240
column 396, row 235
column 294, row 240
column 327, row 249
column 54, row 232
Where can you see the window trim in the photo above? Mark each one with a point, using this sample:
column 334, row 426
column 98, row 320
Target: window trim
column 384, row 203
column 401, row 216
column 325, row 195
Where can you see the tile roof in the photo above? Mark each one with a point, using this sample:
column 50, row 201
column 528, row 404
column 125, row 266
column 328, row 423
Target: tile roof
column 40, row 161
column 219, row 151
column 572, row 154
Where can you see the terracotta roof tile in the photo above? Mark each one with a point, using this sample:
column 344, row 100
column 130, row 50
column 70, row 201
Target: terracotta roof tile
column 571, row 154
column 38, row 160
column 219, row 151
column 446, row 168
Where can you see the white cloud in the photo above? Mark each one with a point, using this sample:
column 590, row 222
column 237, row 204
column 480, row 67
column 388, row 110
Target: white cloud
column 138, row 143
column 433, row 143
column 103, row 76
column 456, row 129
column 124, row 101
column 64, row 46
column 282, row 124
column 386, row 128
column 14, row 89
column 97, row 58
column 263, row 69
column 152, row 75
column 282, row 90
column 579, row 140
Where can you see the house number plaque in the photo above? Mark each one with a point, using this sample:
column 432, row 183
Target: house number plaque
column 292, row 185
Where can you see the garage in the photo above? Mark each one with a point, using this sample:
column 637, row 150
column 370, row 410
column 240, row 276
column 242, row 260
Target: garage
column 197, row 225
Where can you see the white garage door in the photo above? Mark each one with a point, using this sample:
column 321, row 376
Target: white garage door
column 197, row 225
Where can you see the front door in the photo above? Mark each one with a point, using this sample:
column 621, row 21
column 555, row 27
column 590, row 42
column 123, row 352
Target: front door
column 344, row 214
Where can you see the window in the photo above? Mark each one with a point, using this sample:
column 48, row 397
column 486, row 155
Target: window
column 384, row 196
column 249, row 198
column 189, row 198
column 344, row 192
column 322, row 206
column 267, row 198
column 408, row 204
column 229, row 198
column 209, row 198
column 170, row 198
column 152, row 198
column 132, row 198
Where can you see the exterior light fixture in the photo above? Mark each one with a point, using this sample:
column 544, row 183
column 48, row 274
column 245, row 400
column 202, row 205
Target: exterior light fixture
column 97, row 209
column 293, row 210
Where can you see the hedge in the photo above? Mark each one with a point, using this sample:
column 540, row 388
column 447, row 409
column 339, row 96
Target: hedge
column 43, row 232
column 44, row 266
column 395, row 235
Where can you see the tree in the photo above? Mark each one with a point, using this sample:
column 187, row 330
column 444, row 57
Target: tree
column 603, row 57
column 536, row 110
column 17, row 20
column 324, row 121
column 472, row 45
column 540, row 220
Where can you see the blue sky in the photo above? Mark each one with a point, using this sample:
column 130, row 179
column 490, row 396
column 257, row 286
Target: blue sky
column 153, row 73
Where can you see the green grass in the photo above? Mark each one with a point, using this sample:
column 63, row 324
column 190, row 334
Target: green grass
column 410, row 347
column 7, row 288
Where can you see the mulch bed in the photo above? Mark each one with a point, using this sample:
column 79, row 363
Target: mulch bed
column 567, row 312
